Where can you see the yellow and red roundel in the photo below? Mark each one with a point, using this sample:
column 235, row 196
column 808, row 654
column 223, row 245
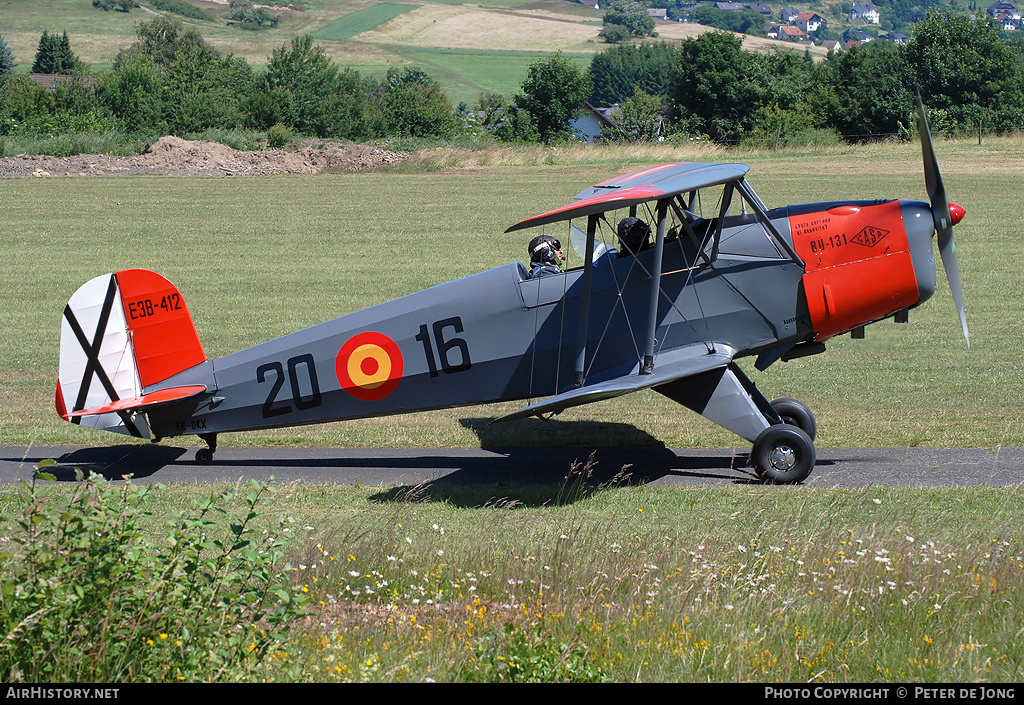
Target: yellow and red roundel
column 369, row 366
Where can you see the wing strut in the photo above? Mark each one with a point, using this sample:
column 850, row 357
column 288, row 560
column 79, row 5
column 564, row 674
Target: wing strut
column 652, row 321
column 588, row 272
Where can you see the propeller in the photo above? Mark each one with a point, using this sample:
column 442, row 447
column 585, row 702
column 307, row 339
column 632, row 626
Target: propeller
column 942, row 215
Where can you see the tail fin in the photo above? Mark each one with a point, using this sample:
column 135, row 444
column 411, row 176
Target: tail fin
column 122, row 333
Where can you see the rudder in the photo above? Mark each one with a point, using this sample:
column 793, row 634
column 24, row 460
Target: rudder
column 122, row 333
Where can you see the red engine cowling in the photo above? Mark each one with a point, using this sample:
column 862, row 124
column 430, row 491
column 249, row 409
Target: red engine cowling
column 859, row 267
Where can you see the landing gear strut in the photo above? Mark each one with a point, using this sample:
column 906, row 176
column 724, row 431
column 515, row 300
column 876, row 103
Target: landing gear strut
column 204, row 456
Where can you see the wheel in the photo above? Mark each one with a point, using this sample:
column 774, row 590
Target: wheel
column 204, row 456
column 783, row 454
column 797, row 414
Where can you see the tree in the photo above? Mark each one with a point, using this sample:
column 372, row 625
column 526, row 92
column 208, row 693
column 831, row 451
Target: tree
column 744, row 21
column 160, row 39
column 618, row 71
column 249, row 17
column 7, row 62
column 632, row 16
column 204, row 90
column 714, row 94
column 298, row 78
column 553, row 94
column 133, row 93
column 54, row 55
column 414, row 105
column 119, row 5
column 640, row 119
column 865, row 93
column 304, row 90
column 966, row 70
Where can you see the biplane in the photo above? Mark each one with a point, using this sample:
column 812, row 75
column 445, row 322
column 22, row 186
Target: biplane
column 721, row 277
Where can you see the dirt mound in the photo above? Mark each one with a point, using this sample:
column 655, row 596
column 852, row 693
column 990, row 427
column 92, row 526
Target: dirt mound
column 179, row 157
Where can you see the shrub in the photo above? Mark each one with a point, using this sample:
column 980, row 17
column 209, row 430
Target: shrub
column 88, row 599
column 279, row 135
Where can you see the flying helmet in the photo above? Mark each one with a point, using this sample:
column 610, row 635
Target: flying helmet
column 544, row 248
column 634, row 234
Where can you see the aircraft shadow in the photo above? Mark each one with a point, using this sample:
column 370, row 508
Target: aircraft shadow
column 112, row 462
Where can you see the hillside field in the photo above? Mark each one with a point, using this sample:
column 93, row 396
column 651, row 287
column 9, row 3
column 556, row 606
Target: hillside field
column 468, row 49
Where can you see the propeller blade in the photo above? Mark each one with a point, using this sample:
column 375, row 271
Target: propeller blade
column 941, row 215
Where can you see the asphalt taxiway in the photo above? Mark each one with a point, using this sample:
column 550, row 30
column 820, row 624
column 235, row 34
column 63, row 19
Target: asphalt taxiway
column 661, row 467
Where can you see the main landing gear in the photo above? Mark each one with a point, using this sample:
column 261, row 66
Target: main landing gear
column 784, row 453
column 204, row 456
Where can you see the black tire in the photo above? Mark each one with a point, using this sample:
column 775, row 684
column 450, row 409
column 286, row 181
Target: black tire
column 797, row 414
column 783, row 454
column 204, row 456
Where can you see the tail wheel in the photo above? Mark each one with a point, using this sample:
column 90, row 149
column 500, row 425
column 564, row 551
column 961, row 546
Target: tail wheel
column 783, row 454
column 204, row 456
column 796, row 414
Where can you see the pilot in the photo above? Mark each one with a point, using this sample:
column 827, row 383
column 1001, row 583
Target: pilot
column 634, row 234
column 545, row 256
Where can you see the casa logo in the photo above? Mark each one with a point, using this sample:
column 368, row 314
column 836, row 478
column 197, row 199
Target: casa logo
column 869, row 236
column 369, row 366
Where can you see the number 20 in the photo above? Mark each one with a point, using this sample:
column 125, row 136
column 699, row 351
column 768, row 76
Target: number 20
column 301, row 402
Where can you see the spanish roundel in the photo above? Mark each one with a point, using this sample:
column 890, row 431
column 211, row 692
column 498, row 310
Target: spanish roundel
column 369, row 366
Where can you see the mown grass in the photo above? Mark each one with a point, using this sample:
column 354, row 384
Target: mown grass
column 260, row 257
column 627, row 584
column 362, row 21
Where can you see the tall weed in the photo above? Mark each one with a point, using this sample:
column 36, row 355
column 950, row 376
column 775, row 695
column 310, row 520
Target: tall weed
column 87, row 596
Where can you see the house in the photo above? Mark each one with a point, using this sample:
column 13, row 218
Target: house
column 832, row 45
column 52, row 80
column 855, row 34
column 865, row 11
column 729, row 6
column 897, row 38
column 591, row 122
column 1002, row 10
column 809, row 21
column 658, row 13
column 789, row 14
column 790, row 33
column 760, row 8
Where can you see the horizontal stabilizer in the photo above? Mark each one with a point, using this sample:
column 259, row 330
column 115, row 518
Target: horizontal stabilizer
column 668, row 367
column 146, row 402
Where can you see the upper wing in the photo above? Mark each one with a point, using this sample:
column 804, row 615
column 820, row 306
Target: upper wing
column 671, row 366
column 650, row 184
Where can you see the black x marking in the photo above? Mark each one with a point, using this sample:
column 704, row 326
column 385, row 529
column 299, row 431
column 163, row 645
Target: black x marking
column 92, row 351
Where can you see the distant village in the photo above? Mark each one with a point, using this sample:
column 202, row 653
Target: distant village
column 801, row 27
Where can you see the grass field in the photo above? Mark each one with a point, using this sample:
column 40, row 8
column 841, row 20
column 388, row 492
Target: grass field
column 570, row 582
column 622, row 584
column 260, row 257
